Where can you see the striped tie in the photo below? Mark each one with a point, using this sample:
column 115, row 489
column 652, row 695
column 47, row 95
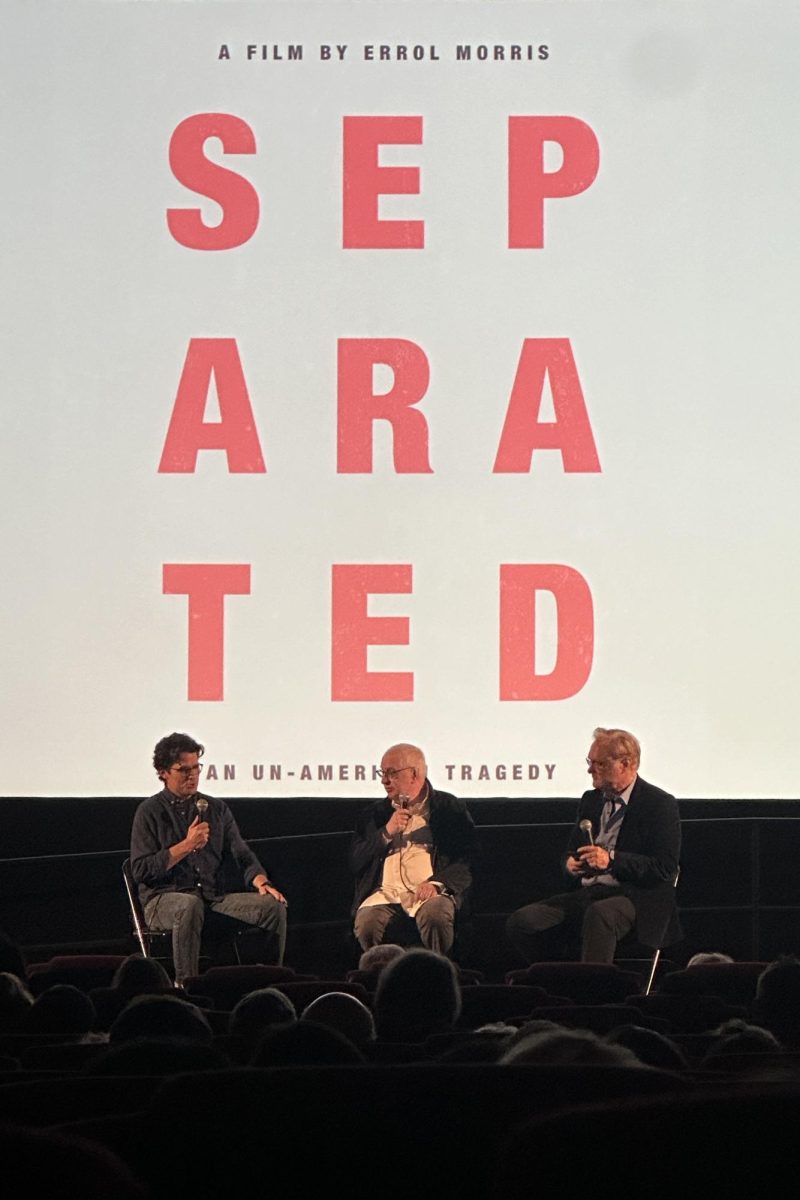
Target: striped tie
column 617, row 811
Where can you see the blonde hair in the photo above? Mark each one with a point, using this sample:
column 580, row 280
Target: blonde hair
column 620, row 743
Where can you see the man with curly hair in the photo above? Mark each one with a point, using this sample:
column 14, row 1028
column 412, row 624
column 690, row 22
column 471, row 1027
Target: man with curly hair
column 183, row 844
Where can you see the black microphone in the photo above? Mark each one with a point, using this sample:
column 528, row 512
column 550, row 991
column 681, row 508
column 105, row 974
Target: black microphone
column 402, row 801
column 585, row 826
column 201, row 804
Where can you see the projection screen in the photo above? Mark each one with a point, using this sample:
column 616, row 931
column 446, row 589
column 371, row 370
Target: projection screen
column 384, row 372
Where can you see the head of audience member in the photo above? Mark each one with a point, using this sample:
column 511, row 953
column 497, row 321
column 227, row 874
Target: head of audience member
column 569, row 1047
column 777, row 1000
column 374, row 960
column 15, row 1000
column 160, row 1017
column 253, row 1015
column 529, row 1028
column 734, row 1041
column 62, row 1011
column 156, row 1056
column 48, row 1163
column 706, row 957
column 497, row 1029
column 138, row 976
column 485, row 1044
column 418, row 995
column 11, row 960
column 344, row 1013
column 305, row 1043
column 650, row 1047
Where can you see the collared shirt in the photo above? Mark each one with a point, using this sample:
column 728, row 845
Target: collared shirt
column 611, row 818
column 163, row 821
column 408, row 863
column 452, row 834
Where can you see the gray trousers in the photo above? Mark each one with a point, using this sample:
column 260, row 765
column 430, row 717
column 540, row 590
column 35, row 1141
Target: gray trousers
column 435, row 922
column 184, row 913
column 598, row 916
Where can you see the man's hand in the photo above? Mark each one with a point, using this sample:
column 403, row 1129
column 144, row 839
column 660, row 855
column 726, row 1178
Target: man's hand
column 198, row 835
column 595, row 857
column 397, row 822
column 266, row 889
column 574, row 865
column 426, row 891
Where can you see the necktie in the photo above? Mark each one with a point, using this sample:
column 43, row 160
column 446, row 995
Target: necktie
column 617, row 811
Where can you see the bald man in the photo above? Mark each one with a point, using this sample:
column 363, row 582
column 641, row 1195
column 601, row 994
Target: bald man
column 410, row 856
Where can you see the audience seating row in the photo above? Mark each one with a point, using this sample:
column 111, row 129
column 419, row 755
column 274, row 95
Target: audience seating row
column 478, row 1128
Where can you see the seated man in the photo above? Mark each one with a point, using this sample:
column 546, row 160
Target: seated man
column 410, row 856
column 622, row 858
column 181, row 843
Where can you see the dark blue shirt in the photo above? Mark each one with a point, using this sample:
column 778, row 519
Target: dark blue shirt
column 162, row 822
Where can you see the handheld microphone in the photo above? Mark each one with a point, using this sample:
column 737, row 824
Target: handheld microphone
column 585, row 826
column 402, row 801
column 201, row 804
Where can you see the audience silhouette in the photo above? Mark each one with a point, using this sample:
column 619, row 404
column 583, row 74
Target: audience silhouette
column 411, row 1047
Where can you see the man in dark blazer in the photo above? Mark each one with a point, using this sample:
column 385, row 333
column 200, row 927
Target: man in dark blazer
column 622, row 860
column 410, row 855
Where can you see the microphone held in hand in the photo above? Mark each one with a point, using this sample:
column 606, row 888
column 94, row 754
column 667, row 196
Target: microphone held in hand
column 585, row 826
column 401, row 802
column 201, row 804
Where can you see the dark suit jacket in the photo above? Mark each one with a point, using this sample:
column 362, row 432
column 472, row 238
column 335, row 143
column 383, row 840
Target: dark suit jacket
column 452, row 831
column 646, row 857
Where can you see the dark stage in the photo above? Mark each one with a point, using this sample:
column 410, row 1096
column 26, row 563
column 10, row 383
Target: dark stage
column 61, row 887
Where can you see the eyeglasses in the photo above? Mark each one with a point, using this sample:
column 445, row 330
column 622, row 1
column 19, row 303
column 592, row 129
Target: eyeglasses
column 391, row 772
column 187, row 772
column 602, row 762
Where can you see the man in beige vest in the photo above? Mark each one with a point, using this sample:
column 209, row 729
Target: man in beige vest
column 410, row 856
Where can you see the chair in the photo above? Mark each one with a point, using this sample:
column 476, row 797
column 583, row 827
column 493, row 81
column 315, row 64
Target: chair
column 584, row 983
column 145, row 936
column 301, row 991
column 733, row 982
column 600, row 1018
column 61, row 1056
column 319, row 1131
column 467, row 977
column 488, row 1002
column 655, row 951
column 227, row 985
column 148, row 938
column 84, row 971
column 734, row 1142
column 59, row 1097
column 55, row 1165
column 688, row 1014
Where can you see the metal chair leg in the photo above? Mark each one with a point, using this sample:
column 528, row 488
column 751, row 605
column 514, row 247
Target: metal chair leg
column 653, row 968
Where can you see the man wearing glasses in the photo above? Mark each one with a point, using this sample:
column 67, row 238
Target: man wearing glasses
column 182, row 843
column 410, row 856
column 622, row 860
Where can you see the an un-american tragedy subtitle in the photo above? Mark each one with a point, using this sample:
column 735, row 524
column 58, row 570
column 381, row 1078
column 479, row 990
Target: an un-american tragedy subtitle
column 461, row 772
